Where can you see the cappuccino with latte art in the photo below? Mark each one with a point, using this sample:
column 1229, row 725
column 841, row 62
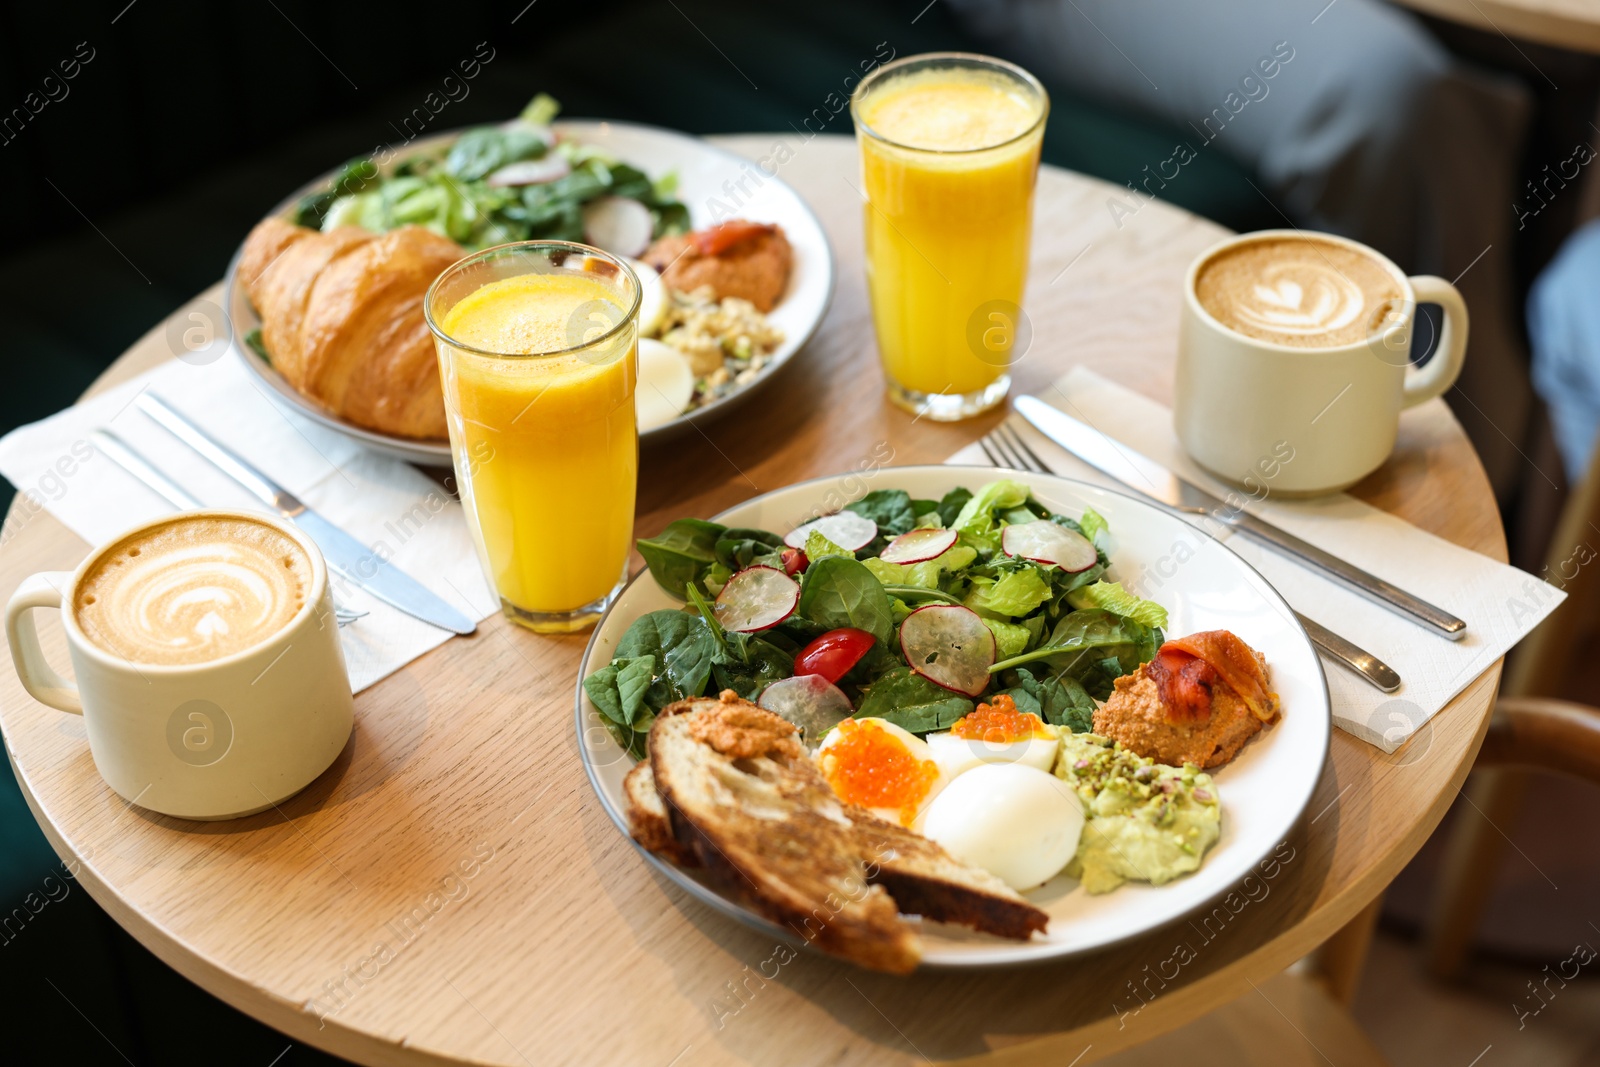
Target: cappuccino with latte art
column 192, row 590
column 1299, row 291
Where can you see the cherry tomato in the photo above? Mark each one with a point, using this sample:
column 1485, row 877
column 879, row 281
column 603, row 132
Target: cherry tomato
column 834, row 653
column 794, row 561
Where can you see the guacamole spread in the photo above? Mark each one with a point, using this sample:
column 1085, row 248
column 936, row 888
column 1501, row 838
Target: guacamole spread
column 1145, row 821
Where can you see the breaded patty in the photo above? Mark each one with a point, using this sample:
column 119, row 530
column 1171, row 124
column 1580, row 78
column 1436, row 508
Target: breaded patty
column 1136, row 716
column 754, row 269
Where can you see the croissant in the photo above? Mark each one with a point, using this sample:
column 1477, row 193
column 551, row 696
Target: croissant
column 341, row 317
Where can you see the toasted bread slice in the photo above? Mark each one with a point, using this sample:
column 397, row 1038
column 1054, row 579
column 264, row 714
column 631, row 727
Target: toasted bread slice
column 740, row 794
column 647, row 817
column 926, row 880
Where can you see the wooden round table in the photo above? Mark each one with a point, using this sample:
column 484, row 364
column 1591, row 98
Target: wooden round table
column 451, row 892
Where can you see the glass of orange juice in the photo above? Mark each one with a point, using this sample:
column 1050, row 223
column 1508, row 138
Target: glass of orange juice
column 949, row 154
column 537, row 354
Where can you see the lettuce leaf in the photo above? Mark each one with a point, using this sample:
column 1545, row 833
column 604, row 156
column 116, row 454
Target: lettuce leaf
column 1113, row 598
column 1015, row 593
column 819, row 547
column 924, row 575
column 1010, row 639
column 1093, row 524
column 979, row 519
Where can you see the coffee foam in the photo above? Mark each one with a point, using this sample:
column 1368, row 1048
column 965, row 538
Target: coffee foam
column 192, row 590
column 1298, row 291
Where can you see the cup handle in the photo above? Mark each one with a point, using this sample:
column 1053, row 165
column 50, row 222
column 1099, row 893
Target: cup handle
column 1440, row 372
column 38, row 677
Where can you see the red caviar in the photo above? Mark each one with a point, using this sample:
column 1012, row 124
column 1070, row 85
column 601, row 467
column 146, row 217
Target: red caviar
column 998, row 722
column 869, row 766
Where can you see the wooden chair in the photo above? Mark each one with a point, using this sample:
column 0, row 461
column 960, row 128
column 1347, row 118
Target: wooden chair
column 1530, row 731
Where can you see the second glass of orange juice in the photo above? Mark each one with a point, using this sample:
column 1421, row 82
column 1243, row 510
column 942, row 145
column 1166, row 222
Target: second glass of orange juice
column 949, row 154
column 537, row 355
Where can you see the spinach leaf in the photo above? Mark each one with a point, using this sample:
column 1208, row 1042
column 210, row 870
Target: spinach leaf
column 1081, row 633
column 911, row 702
column 1061, row 698
column 890, row 508
column 951, row 506
column 683, row 647
column 838, row 591
column 618, row 690
column 479, row 152
column 745, row 663
column 681, row 553
column 748, row 663
column 619, row 694
column 740, row 547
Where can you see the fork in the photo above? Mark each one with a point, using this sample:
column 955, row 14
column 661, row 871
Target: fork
column 1005, row 447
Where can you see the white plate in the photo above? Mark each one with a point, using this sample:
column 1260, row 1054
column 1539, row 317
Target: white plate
column 1202, row 584
column 705, row 174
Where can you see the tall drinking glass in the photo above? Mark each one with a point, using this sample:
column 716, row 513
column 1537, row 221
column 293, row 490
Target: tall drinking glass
column 537, row 344
column 949, row 153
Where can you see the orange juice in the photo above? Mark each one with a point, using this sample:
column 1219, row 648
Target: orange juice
column 949, row 153
column 546, row 446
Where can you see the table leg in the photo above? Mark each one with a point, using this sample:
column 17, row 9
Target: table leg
column 1338, row 962
column 1468, row 873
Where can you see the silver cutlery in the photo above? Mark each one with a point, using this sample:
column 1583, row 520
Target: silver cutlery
column 1006, row 448
column 1151, row 479
column 346, row 556
column 119, row 452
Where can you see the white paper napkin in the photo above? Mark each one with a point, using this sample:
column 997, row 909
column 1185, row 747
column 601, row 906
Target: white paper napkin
column 388, row 505
column 1499, row 603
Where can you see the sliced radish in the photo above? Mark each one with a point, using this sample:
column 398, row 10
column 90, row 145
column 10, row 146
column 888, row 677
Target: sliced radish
column 844, row 528
column 918, row 545
column 618, row 224
column 1046, row 542
column 531, row 171
column 757, row 598
column 809, row 701
column 950, row 646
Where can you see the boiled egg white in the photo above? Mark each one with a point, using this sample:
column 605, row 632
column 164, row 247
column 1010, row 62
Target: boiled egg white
column 652, row 296
column 1017, row 822
column 882, row 767
column 665, row 384
column 955, row 755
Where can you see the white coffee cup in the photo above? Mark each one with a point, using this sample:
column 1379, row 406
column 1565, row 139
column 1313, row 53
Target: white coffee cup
column 1243, row 404
column 214, row 739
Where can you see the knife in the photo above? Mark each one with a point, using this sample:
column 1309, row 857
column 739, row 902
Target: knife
column 346, row 556
column 1151, row 479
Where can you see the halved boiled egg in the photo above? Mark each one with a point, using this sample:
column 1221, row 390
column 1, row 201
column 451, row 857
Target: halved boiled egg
column 996, row 732
column 652, row 296
column 881, row 767
column 665, row 386
column 1017, row 822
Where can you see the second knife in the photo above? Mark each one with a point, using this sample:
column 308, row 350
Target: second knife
column 351, row 559
column 1149, row 478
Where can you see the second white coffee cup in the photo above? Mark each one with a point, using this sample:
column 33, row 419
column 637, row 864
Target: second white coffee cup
column 1243, row 404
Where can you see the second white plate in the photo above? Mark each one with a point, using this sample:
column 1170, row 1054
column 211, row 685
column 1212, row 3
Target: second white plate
column 705, row 174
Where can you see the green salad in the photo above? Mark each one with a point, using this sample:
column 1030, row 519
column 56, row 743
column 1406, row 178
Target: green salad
column 898, row 608
column 496, row 184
